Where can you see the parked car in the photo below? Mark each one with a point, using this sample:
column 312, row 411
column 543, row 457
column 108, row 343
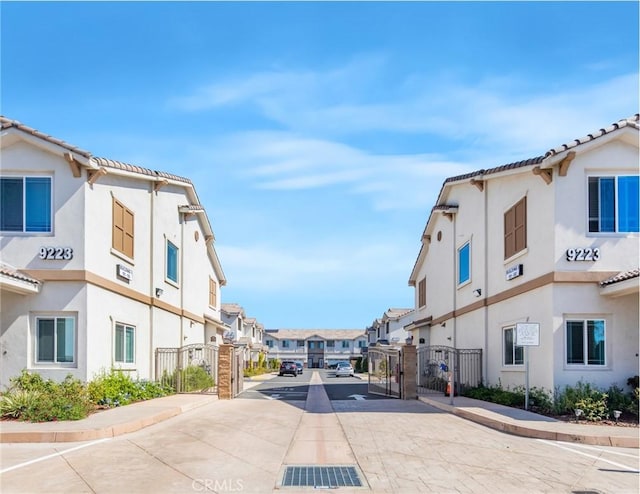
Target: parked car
column 288, row 367
column 300, row 367
column 344, row 369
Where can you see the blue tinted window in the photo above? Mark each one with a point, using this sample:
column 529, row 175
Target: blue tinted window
column 607, row 205
column 628, row 204
column 25, row 204
column 464, row 264
column 172, row 262
column 38, row 204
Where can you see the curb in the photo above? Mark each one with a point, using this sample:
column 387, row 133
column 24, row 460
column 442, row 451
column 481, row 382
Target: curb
column 90, row 434
column 524, row 431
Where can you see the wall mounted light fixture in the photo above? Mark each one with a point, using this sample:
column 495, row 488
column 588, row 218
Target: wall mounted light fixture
column 477, row 292
column 159, row 292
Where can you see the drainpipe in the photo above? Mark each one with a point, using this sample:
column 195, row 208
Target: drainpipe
column 151, row 282
column 181, row 279
column 455, row 301
column 485, row 288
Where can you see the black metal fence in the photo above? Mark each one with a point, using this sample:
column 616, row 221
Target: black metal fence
column 192, row 368
column 436, row 362
column 384, row 371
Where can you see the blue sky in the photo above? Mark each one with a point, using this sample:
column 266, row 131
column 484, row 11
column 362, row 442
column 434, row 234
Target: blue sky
column 319, row 134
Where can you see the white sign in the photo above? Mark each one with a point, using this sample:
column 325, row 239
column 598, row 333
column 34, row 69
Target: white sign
column 514, row 271
column 125, row 272
column 528, row 334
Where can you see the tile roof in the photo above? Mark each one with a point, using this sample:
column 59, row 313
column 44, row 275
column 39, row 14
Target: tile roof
column 12, row 272
column 517, row 164
column 627, row 275
column 626, row 122
column 119, row 165
column 7, row 123
column 327, row 334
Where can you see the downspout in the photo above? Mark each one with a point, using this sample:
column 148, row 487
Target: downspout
column 181, row 280
column 151, row 284
column 485, row 288
column 455, row 301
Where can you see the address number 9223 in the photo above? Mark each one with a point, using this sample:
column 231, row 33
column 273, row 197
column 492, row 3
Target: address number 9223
column 587, row 254
column 56, row 253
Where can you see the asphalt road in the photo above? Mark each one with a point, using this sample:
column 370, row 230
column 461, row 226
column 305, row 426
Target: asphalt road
column 289, row 388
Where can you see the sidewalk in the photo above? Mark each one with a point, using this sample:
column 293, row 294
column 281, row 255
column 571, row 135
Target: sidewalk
column 528, row 424
column 122, row 420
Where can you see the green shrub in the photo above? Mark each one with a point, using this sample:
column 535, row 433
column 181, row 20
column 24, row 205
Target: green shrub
column 15, row 404
column 35, row 399
column 566, row 401
column 593, row 408
column 117, row 389
column 195, row 378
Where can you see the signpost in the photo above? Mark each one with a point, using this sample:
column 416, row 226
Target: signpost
column 527, row 334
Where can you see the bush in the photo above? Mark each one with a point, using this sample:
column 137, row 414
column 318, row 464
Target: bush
column 195, row 378
column 35, row 399
column 117, row 389
column 593, row 408
column 566, row 401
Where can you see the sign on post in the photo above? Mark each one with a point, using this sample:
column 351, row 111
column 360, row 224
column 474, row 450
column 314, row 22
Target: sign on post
column 527, row 334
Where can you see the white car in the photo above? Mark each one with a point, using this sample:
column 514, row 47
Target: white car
column 344, row 369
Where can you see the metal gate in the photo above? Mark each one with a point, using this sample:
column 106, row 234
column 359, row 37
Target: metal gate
column 385, row 376
column 435, row 364
column 237, row 371
column 191, row 368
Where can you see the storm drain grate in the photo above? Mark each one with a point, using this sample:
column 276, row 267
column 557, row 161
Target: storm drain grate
column 328, row 477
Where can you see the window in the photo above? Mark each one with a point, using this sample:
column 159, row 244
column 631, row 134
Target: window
column 55, row 339
column 285, row 343
column 300, row 343
column 613, row 204
column 515, row 228
column 345, row 343
column 25, row 204
column 270, row 343
column 362, row 343
column 512, row 354
column 422, row 292
column 122, row 235
column 331, row 343
column 212, row 292
column 124, row 345
column 464, row 263
column 586, row 342
column 172, row 262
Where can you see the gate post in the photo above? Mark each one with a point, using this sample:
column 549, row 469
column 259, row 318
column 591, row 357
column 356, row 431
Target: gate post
column 225, row 372
column 409, row 372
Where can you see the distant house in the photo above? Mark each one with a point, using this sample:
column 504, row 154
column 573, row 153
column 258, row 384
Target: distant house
column 243, row 331
column 103, row 262
column 552, row 241
column 315, row 348
column 390, row 328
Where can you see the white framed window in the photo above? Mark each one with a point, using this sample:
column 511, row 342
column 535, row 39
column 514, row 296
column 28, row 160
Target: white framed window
column 269, row 343
column 172, row 262
column 586, row 342
column 512, row 354
column 300, row 343
column 331, row 343
column 613, row 204
column 124, row 346
column 464, row 264
column 285, row 343
column 362, row 343
column 55, row 340
column 25, row 204
column 345, row 343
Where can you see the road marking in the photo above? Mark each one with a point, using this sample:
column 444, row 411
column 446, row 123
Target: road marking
column 604, row 451
column 357, row 397
column 619, row 465
column 60, row 453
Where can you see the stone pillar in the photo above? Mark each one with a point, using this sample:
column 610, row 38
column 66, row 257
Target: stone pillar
column 225, row 372
column 409, row 372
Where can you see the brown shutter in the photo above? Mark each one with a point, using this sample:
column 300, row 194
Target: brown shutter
column 127, row 241
column 422, row 293
column 521, row 225
column 212, row 292
column 118, row 226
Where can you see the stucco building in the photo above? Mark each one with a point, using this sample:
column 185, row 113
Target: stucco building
column 94, row 261
column 551, row 240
